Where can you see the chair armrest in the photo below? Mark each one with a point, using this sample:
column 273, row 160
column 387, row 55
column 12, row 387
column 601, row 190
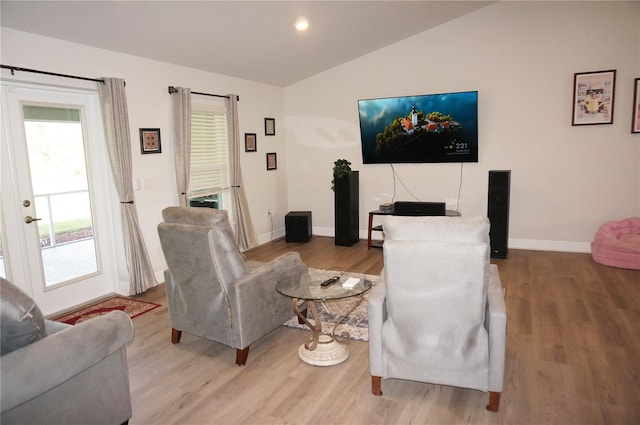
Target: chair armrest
column 377, row 316
column 496, row 324
column 45, row 364
column 256, row 307
column 51, row 326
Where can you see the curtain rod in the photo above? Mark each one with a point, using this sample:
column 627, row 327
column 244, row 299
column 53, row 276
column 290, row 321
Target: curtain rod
column 17, row 68
column 173, row 90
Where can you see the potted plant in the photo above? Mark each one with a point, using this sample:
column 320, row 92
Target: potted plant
column 341, row 169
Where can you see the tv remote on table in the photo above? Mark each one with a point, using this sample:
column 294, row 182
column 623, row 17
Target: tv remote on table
column 330, row 281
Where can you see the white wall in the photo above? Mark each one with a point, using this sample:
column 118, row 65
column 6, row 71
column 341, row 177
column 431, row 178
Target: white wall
column 521, row 57
column 149, row 105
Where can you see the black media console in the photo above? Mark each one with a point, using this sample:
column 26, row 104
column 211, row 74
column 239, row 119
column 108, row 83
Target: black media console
column 407, row 208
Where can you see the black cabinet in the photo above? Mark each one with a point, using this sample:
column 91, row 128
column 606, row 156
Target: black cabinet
column 347, row 209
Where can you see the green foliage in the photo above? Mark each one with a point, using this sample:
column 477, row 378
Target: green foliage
column 65, row 226
column 394, row 133
column 438, row 117
column 341, row 169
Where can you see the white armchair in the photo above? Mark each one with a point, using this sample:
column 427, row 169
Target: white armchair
column 438, row 313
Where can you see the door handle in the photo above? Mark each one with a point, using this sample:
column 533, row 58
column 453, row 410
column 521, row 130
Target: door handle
column 28, row 219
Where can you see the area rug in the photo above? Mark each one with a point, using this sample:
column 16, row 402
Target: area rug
column 133, row 308
column 356, row 325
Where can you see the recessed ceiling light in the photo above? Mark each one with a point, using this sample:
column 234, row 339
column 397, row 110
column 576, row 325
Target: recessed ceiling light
column 302, row 24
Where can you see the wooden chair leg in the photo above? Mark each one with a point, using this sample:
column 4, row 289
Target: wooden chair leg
column 494, row 401
column 241, row 356
column 376, row 385
column 175, row 336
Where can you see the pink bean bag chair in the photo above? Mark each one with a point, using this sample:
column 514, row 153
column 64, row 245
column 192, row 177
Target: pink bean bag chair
column 617, row 244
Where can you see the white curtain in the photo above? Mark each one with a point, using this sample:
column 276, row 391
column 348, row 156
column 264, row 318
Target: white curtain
column 245, row 234
column 182, row 147
column 113, row 102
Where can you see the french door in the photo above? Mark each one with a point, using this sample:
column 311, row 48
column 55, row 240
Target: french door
column 56, row 242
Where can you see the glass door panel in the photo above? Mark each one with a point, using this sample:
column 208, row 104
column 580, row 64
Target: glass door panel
column 61, row 192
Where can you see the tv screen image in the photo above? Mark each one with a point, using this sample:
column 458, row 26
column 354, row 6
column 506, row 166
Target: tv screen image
column 420, row 129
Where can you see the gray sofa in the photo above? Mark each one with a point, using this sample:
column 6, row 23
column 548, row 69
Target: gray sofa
column 54, row 373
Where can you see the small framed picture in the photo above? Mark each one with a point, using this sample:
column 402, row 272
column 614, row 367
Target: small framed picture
column 272, row 161
column 593, row 97
column 250, row 142
column 269, row 126
column 150, row 140
column 635, row 120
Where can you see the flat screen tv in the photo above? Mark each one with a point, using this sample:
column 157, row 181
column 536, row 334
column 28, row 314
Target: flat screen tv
column 418, row 129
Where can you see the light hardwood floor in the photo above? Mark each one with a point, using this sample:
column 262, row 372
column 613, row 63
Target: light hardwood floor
column 573, row 357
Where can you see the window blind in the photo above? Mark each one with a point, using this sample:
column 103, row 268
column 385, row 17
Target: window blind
column 45, row 113
column 209, row 153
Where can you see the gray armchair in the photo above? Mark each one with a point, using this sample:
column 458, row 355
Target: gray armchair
column 438, row 313
column 211, row 291
column 53, row 373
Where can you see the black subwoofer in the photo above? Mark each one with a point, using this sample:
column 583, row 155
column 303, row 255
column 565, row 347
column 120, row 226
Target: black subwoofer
column 498, row 211
column 297, row 225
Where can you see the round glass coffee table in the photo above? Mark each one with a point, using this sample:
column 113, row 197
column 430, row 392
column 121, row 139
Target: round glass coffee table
column 321, row 350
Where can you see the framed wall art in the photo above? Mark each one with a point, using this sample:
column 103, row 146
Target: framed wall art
column 269, row 126
column 593, row 97
column 272, row 161
column 150, row 140
column 250, row 142
column 635, row 119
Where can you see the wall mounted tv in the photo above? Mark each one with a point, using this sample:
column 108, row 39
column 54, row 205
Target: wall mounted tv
column 418, row 129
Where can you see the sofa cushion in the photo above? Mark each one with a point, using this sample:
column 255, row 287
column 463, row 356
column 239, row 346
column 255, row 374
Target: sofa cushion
column 195, row 216
column 21, row 320
column 229, row 260
column 417, row 228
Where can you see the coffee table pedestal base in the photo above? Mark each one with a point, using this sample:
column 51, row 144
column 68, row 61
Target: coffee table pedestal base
column 328, row 352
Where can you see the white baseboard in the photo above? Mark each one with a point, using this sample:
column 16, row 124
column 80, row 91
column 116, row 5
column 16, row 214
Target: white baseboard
column 159, row 274
column 515, row 243
column 330, row 232
column 271, row 236
column 543, row 245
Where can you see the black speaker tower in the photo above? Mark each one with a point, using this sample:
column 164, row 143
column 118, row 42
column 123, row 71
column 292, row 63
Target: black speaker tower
column 498, row 211
column 347, row 209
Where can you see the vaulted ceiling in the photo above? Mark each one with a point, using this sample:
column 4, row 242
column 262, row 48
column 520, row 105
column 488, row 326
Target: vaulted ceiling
column 254, row 40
